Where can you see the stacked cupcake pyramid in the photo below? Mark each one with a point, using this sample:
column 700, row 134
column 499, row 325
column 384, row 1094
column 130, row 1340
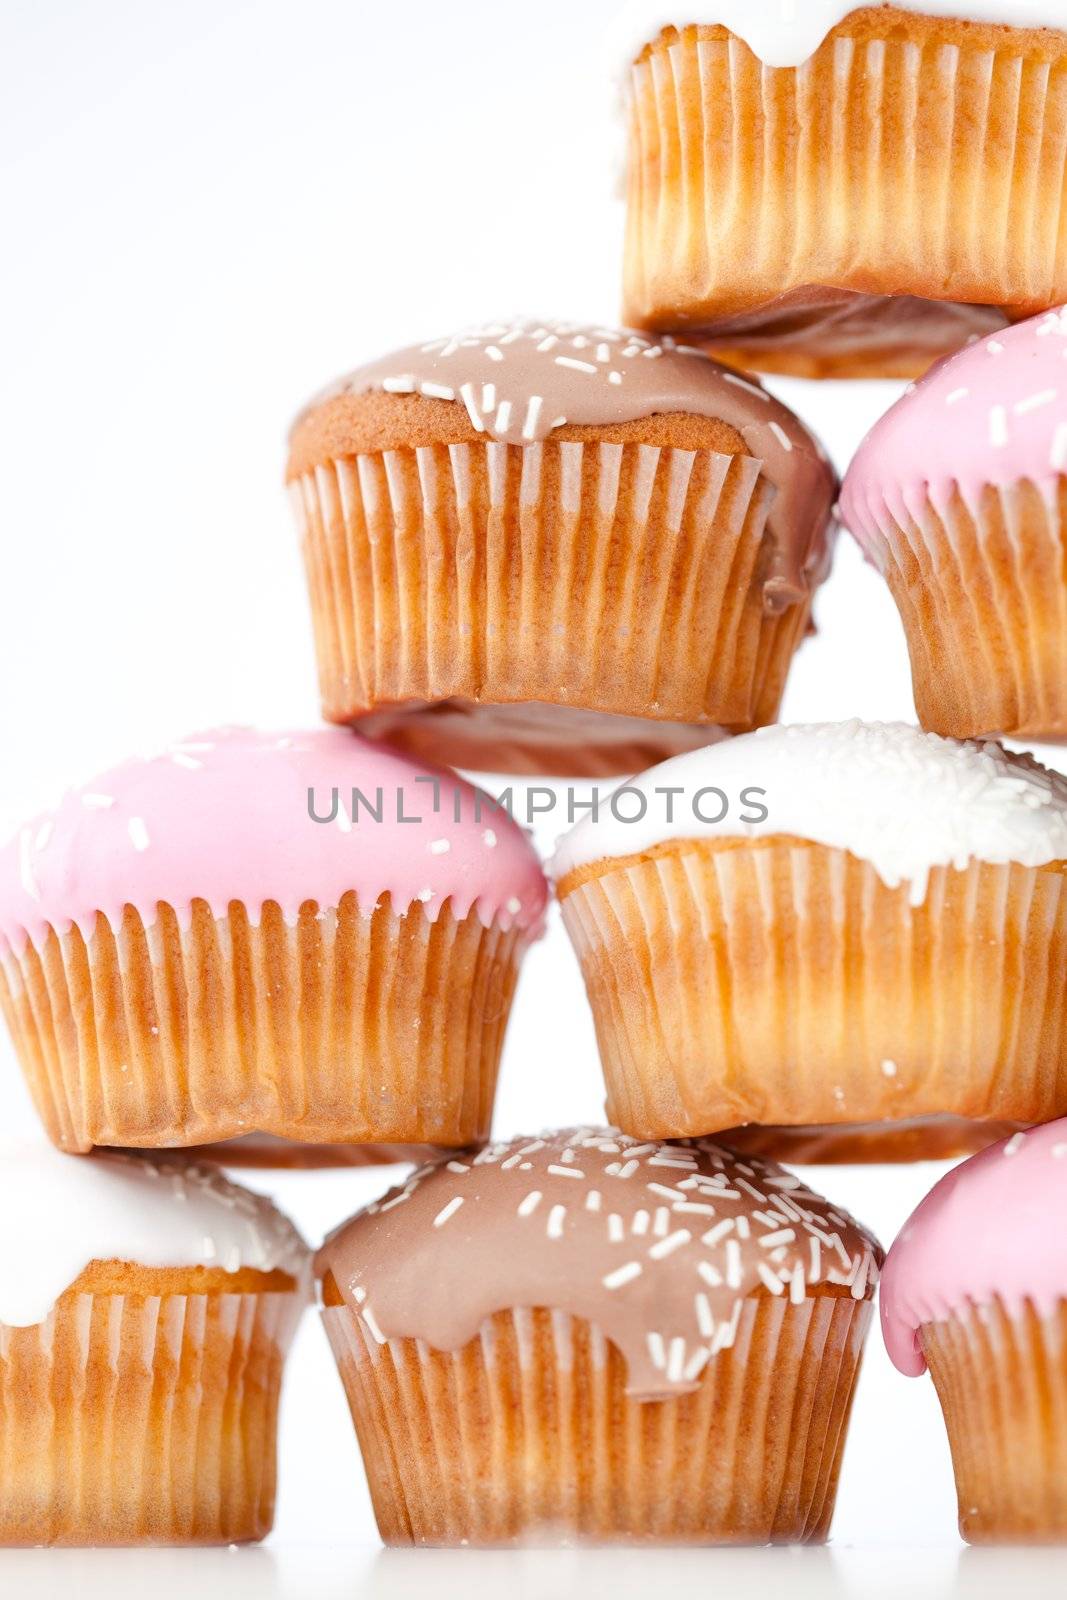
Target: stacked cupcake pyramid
column 544, row 548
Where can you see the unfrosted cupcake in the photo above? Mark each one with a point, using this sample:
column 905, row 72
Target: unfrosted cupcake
column 959, row 497
column 145, row 1314
column 578, row 1336
column 841, row 925
column 552, row 548
column 838, row 190
column 302, row 935
column 976, row 1288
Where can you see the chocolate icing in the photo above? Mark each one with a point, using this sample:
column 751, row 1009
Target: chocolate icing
column 520, row 381
column 657, row 1244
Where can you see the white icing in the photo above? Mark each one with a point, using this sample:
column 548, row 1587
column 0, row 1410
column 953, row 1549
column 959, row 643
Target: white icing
column 785, row 33
column 903, row 800
column 58, row 1213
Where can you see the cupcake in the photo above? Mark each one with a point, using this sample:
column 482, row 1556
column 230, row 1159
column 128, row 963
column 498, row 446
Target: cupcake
column 301, row 935
column 145, row 1313
column 976, row 1289
column 546, row 548
column 838, row 190
column 959, row 497
column 581, row 1337
column 834, row 925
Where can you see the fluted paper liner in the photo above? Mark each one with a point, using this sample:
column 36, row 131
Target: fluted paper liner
column 982, row 593
column 782, row 982
column 527, row 1433
column 612, row 578
column 133, row 1419
column 910, row 156
column 1001, row 1377
column 344, row 1027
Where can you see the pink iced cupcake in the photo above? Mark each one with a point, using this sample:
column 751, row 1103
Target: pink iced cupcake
column 959, row 497
column 303, row 935
column 976, row 1289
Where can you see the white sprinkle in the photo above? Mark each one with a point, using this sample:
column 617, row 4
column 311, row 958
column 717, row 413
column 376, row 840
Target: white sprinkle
column 190, row 763
column 672, row 1161
column 693, row 1208
column 528, row 1206
column 1059, row 1151
column 1035, row 401
column 662, row 1225
column 781, row 435
column 998, row 425
column 97, row 802
column 138, row 833
column 438, row 391
column 494, row 353
column 1015, row 1144
column 661, row 1189
column 641, row 1222
column 457, row 1166
column 368, row 1316
column 547, row 344
column 709, row 1274
column 467, row 395
column 359, row 1294
column 449, row 1211
column 556, row 1219
column 576, row 366
column 667, row 1247
column 425, row 896
column 771, row 1241
column 513, row 906
column 566, row 1172
column 815, row 1269
column 696, row 1366
column 956, row 396
column 503, row 416
column 440, row 847
column 489, row 839
column 705, row 1320
column 627, row 1170
column 603, row 353
column 615, row 378
column 733, row 1264
column 770, row 1279
column 720, row 1230
column 623, row 1275
column 533, row 416
column 592, row 1200
column 994, row 347
column 889, row 1068
column 616, row 1228
column 676, row 1361
column 404, row 385
column 798, row 1289
column 657, row 1350
column 488, row 396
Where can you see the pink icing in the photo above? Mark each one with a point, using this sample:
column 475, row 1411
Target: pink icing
column 995, row 413
column 225, row 816
column 992, row 1229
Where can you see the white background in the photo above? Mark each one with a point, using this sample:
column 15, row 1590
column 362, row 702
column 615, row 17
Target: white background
column 209, row 209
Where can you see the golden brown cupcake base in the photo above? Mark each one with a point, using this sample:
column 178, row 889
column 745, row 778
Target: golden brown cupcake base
column 781, row 982
column 918, row 1139
column 1001, row 1378
column 604, row 575
column 858, row 216
column 983, row 599
column 527, row 1434
column 532, row 740
column 345, row 1028
column 142, row 1412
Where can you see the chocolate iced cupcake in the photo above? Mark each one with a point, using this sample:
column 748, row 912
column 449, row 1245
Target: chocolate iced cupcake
column 580, row 1336
column 553, row 548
